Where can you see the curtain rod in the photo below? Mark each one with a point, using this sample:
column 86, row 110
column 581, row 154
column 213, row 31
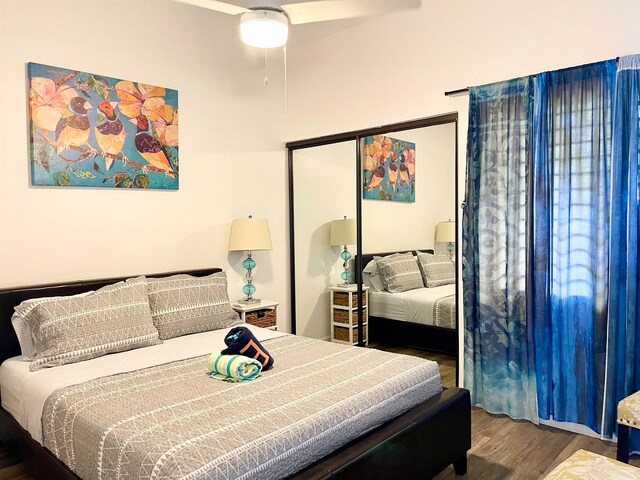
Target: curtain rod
column 461, row 91
column 456, row 92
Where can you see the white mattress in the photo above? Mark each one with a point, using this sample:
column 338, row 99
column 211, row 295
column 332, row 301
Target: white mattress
column 414, row 306
column 24, row 393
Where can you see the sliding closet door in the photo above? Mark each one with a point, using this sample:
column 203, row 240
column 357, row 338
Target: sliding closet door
column 323, row 184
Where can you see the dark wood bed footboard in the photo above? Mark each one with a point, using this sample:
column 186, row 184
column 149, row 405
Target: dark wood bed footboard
column 417, row 445
column 426, row 337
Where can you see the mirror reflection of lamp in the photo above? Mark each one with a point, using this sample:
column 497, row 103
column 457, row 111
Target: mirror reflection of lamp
column 343, row 233
column 249, row 234
column 446, row 233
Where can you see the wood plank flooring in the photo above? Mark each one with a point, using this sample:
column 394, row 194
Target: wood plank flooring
column 502, row 449
column 506, row 449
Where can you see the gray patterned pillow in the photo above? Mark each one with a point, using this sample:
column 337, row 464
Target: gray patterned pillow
column 400, row 273
column 71, row 329
column 436, row 270
column 182, row 304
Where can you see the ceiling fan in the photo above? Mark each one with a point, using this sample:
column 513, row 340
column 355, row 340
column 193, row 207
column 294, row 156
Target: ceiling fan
column 265, row 23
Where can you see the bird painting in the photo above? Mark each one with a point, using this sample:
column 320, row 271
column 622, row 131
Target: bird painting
column 109, row 132
column 78, row 119
column 73, row 127
column 388, row 169
column 149, row 147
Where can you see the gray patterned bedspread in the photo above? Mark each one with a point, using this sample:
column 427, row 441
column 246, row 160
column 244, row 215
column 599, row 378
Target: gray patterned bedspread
column 173, row 421
column 444, row 312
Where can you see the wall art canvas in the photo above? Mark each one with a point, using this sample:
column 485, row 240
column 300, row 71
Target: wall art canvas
column 389, row 169
column 90, row 130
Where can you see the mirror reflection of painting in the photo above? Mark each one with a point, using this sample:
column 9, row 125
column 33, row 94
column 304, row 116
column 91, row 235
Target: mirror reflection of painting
column 388, row 169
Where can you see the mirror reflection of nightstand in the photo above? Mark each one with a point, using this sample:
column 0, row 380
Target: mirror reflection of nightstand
column 263, row 314
column 344, row 314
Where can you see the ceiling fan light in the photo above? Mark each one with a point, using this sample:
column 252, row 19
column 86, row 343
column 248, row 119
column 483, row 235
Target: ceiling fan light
column 264, row 28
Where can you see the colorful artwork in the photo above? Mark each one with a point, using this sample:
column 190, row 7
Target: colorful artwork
column 389, row 169
column 88, row 130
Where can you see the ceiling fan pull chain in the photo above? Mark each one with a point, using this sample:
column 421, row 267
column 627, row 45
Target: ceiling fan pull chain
column 266, row 64
column 286, row 92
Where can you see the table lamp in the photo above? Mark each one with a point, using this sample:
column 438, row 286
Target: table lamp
column 446, row 233
column 343, row 233
column 249, row 234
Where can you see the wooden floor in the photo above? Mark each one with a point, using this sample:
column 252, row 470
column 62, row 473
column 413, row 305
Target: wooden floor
column 501, row 448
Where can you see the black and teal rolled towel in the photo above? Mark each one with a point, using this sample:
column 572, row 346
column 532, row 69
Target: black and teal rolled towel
column 240, row 341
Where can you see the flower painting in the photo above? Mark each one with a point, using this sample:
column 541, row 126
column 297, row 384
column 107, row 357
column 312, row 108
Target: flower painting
column 388, row 169
column 89, row 130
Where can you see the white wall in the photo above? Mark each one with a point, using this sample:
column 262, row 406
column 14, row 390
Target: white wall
column 361, row 73
column 324, row 190
column 232, row 160
column 394, row 226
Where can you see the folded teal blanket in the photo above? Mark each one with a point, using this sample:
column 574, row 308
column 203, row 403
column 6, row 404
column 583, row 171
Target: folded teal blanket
column 233, row 368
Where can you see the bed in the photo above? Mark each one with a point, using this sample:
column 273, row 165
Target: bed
column 328, row 433
column 423, row 317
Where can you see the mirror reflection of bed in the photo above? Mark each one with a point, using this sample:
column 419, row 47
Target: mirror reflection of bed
column 421, row 319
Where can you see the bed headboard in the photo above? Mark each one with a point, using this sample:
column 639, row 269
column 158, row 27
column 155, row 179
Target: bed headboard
column 367, row 257
column 12, row 297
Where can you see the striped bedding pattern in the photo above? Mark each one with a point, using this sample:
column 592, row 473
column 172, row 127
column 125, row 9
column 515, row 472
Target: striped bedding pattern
column 173, row 421
column 182, row 304
column 71, row 329
column 444, row 312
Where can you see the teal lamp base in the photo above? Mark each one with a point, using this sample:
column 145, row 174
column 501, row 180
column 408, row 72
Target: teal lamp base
column 346, row 275
column 450, row 249
column 249, row 289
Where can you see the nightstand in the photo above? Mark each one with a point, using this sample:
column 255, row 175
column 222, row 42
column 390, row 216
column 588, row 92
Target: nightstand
column 263, row 314
column 344, row 314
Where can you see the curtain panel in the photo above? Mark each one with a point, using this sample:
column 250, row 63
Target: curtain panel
column 571, row 190
column 499, row 361
column 623, row 358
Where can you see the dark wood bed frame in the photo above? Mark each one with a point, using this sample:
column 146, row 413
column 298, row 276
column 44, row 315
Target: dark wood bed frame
column 418, row 444
column 427, row 337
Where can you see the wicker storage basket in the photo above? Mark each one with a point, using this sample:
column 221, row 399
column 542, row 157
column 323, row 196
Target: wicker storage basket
column 342, row 333
column 342, row 316
column 262, row 318
column 342, row 299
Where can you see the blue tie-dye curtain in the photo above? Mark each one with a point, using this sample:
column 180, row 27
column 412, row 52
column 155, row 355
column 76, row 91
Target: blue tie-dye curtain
column 536, row 244
column 571, row 199
column 623, row 357
column 498, row 356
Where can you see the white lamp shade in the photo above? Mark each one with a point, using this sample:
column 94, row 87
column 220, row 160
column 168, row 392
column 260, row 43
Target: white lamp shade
column 446, row 232
column 343, row 232
column 249, row 234
column 264, row 28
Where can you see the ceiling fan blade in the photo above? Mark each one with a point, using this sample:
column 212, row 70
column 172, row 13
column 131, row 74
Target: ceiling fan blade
column 222, row 7
column 323, row 10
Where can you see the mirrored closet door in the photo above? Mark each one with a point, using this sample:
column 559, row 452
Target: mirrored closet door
column 384, row 199
column 409, row 242
column 324, row 203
